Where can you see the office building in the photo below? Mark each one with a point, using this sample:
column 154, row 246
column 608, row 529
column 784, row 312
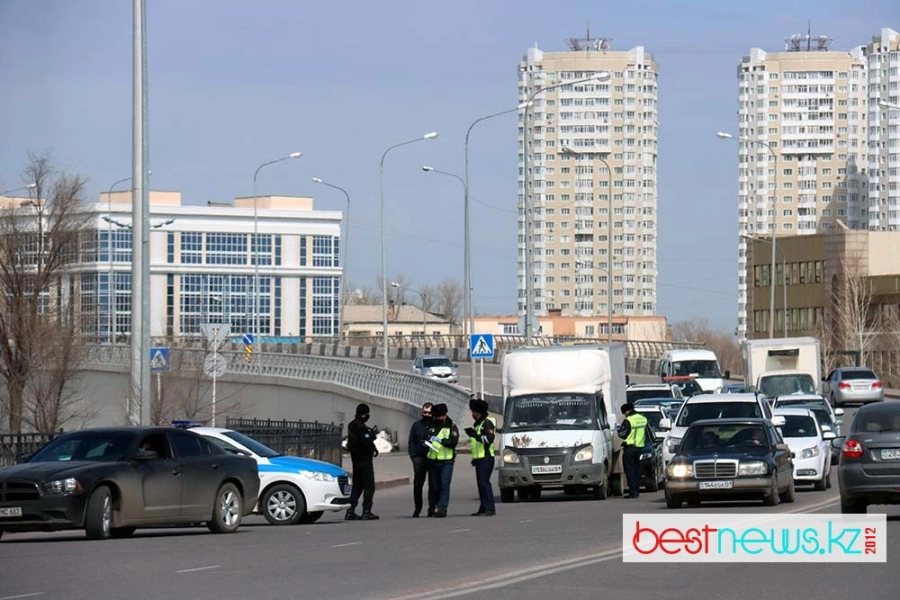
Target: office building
column 812, row 139
column 573, row 134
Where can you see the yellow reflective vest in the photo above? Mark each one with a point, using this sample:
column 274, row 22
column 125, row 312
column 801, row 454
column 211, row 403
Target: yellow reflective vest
column 637, row 435
column 443, row 453
column 477, row 445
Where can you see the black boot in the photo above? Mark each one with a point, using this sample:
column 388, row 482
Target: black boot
column 368, row 516
column 351, row 515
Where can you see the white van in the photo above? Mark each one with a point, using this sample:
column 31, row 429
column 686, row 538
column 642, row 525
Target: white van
column 702, row 365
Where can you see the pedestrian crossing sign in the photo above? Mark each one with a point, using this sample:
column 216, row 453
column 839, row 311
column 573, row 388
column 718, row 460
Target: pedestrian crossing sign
column 160, row 360
column 481, row 345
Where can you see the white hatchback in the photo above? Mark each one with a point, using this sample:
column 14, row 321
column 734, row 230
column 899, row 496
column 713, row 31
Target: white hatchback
column 292, row 489
column 810, row 444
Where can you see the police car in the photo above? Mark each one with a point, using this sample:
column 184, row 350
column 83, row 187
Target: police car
column 291, row 489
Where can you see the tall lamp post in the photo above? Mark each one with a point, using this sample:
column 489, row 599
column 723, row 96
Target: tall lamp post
column 384, row 282
column 345, row 246
column 529, row 262
column 30, row 186
column 424, row 313
column 752, row 238
column 254, row 249
column 609, row 244
column 728, row 136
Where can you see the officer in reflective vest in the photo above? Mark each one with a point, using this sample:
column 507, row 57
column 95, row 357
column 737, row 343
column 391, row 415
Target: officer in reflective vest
column 633, row 432
column 481, row 441
column 444, row 435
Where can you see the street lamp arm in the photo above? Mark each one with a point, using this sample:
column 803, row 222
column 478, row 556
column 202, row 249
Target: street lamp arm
column 497, row 114
column 406, row 143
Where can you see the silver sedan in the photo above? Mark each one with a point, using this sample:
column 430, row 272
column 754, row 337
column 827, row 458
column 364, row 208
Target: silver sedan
column 853, row 385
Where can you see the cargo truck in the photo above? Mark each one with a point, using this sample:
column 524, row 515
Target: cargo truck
column 782, row 366
column 559, row 422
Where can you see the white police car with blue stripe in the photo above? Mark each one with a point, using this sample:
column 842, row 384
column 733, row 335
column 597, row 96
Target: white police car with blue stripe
column 291, row 489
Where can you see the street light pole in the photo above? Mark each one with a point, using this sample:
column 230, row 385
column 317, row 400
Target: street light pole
column 345, row 246
column 783, row 276
column 424, row 314
column 728, row 136
column 384, row 282
column 30, row 186
column 254, row 250
column 529, row 263
column 609, row 244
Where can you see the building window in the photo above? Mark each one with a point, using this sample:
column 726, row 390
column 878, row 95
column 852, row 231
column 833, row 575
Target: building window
column 191, row 248
column 261, row 249
column 226, row 249
column 206, row 298
column 326, row 251
column 303, row 290
column 325, row 304
column 170, row 247
column 509, row 328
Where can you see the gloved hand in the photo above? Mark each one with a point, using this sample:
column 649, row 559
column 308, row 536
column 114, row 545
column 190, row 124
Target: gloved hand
column 435, row 439
column 618, row 426
column 470, row 431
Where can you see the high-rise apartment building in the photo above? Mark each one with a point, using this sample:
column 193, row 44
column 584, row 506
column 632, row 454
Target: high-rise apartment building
column 812, row 136
column 574, row 135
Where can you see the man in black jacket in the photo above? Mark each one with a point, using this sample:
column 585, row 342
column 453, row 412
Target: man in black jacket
column 361, row 444
column 418, row 453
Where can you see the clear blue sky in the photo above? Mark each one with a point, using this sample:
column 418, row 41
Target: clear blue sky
column 236, row 83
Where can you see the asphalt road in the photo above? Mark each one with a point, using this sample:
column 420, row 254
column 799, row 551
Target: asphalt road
column 558, row 545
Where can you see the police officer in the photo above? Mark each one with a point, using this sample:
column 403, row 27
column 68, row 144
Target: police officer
column 444, row 435
column 481, row 440
column 418, row 454
column 361, row 444
column 633, row 432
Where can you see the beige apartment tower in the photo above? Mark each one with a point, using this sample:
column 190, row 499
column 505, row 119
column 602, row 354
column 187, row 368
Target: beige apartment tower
column 833, row 153
column 573, row 133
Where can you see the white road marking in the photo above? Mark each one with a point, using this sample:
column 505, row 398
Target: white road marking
column 460, row 530
column 31, row 595
column 526, row 520
column 344, row 545
column 199, row 569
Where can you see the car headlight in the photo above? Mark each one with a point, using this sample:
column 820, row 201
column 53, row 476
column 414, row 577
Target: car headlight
column 671, row 443
column 510, row 457
column 679, row 471
column 753, row 468
column 586, row 453
column 317, row 475
column 810, row 452
column 63, row 486
column 645, row 456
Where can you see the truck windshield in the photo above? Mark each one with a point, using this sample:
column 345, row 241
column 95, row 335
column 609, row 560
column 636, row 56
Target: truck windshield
column 697, row 368
column 550, row 411
column 785, row 385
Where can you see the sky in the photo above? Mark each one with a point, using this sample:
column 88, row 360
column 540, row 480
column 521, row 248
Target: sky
column 233, row 84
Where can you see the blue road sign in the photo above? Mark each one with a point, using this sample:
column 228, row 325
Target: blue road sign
column 160, row 360
column 481, row 345
column 248, row 339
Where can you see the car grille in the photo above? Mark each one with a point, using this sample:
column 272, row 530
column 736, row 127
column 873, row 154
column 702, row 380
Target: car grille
column 344, row 484
column 14, row 491
column 715, row 469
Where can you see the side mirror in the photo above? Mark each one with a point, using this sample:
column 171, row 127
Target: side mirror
column 665, row 424
column 828, row 435
column 839, row 422
column 838, row 442
column 778, row 421
column 826, row 427
column 838, row 411
column 781, row 446
column 793, row 455
column 146, row 455
column 727, row 374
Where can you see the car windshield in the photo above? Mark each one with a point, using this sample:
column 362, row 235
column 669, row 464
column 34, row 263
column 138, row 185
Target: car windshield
column 699, row 411
column 858, row 374
column 785, row 385
column 783, row 402
column 697, row 368
column 667, row 402
column 430, row 363
column 653, row 418
column 251, row 444
column 635, row 394
column 99, row 446
column 689, row 387
column 552, row 411
column 799, row 426
column 725, row 438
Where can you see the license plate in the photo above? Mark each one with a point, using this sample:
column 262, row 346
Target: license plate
column 346, row 489
column 12, row 511
column 545, row 469
column 890, row 455
column 716, row 485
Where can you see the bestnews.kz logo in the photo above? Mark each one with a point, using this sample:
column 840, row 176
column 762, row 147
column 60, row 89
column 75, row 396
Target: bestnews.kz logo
column 705, row 537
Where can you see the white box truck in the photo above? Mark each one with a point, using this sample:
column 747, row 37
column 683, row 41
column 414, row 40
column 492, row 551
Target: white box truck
column 782, row 366
column 560, row 411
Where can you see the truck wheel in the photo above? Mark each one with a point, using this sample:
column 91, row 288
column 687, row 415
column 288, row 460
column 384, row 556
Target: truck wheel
column 98, row 517
column 601, row 492
column 615, row 485
column 507, row 495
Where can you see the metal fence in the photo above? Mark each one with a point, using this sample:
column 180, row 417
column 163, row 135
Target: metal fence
column 321, row 441
column 14, row 446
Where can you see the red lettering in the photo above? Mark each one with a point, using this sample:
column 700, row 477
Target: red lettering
column 706, row 531
column 676, row 537
column 636, row 540
column 671, row 540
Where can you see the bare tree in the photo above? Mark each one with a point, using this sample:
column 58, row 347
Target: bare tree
column 449, row 299
column 396, row 294
column 39, row 239
column 852, row 295
column 361, row 295
column 721, row 342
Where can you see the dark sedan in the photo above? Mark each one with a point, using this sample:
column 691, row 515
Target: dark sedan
column 730, row 459
column 869, row 471
column 111, row 481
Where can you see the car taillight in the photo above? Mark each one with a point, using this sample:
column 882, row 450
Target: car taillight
column 852, row 449
column 877, row 384
column 844, row 385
